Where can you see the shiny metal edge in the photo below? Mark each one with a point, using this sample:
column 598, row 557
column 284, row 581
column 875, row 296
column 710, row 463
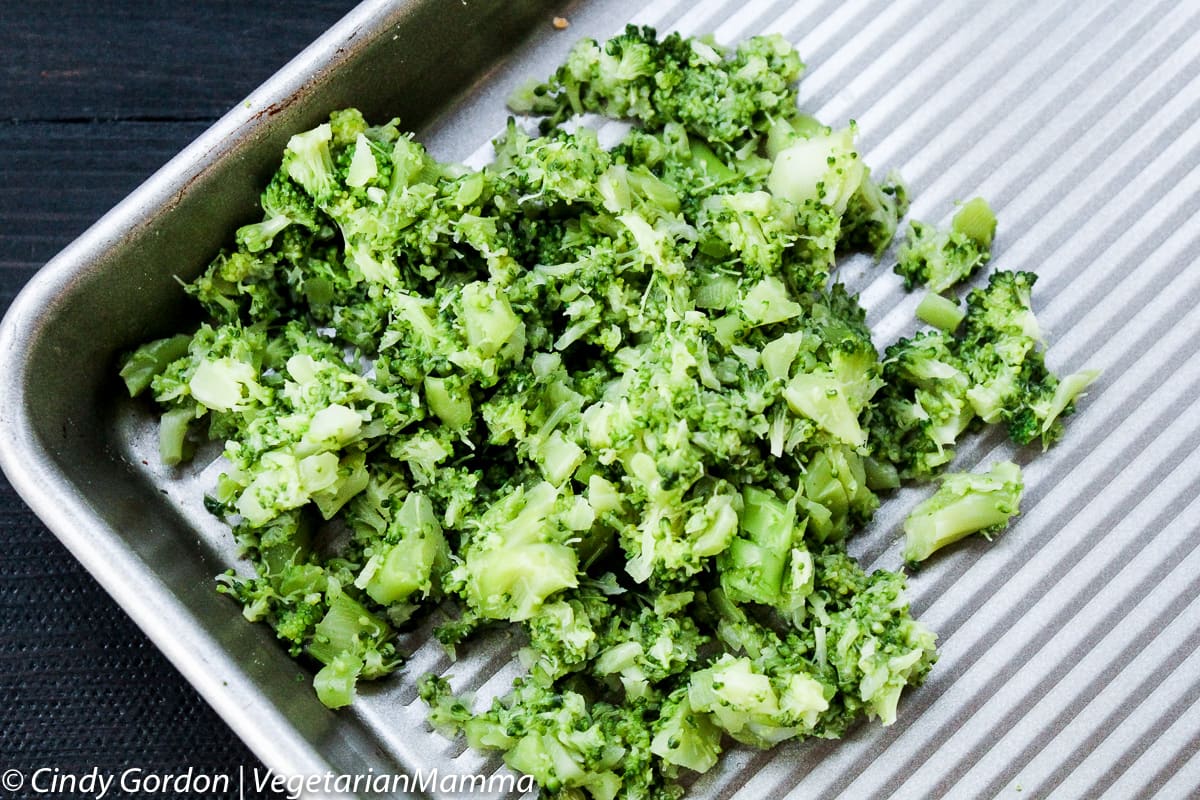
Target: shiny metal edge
column 1070, row 646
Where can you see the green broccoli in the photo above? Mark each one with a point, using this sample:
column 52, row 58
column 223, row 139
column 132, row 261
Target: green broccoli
column 560, row 738
column 992, row 369
column 940, row 260
column 872, row 214
column 869, row 640
column 924, row 406
column 642, row 649
column 565, row 634
column 685, row 737
column 518, row 555
column 1001, row 349
column 719, row 95
column 614, row 396
column 940, row 312
column 964, row 503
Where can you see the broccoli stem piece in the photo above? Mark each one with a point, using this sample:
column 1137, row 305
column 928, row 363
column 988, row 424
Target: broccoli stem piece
column 965, row 503
column 881, row 475
column 940, row 312
column 346, row 628
column 151, row 359
column 412, row 565
column 172, row 435
column 335, row 682
column 686, row 737
column 752, row 567
column 976, row 221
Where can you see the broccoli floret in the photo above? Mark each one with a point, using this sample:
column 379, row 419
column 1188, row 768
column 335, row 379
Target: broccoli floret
column 616, row 76
column 749, row 231
column 568, row 633
column 755, row 707
column 544, row 172
column 684, row 736
column 284, row 202
column 1043, row 417
column 940, row 260
column 836, row 495
column 872, row 214
column 937, row 384
column 868, row 639
column 563, row 636
column 517, row 556
column 725, row 98
column 937, row 259
column 560, row 739
column 448, row 713
column 304, row 602
column 309, row 162
column 964, row 503
column 679, row 530
column 352, row 643
column 1001, row 350
column 1003, row 308
column 924, row 405
column 645, row 648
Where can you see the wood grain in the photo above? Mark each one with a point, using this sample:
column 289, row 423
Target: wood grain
column 151, row 61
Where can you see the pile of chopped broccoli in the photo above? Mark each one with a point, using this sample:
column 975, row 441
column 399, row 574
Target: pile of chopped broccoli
column 614, row 397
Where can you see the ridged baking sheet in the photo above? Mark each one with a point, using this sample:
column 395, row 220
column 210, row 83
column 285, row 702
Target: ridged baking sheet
column 1069, row 646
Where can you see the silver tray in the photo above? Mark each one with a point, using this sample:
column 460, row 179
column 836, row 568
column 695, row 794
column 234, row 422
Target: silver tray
column 1070, row 647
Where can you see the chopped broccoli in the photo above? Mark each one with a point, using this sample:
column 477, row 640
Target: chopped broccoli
column 752, row 569
column 940, row 312
column 719, row 95
column 976, row 221
column 924, row 405
column 824, row 168
column 613, row 398
column 1001, row 348
column 992, row 369
column 151, row 359
column 870, row 640
column 964, row 503
column 940, row 260
column 684, row 736
column 872, row 214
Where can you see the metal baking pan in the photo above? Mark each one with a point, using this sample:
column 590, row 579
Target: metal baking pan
column 1070, row 663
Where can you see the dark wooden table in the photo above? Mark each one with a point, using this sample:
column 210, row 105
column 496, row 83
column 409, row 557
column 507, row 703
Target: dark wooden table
column 93, row 98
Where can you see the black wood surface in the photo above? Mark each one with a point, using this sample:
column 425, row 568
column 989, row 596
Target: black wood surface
column 93, row 98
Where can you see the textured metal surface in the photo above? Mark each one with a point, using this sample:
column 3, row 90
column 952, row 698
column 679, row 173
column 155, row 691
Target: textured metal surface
column 1070, row 647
